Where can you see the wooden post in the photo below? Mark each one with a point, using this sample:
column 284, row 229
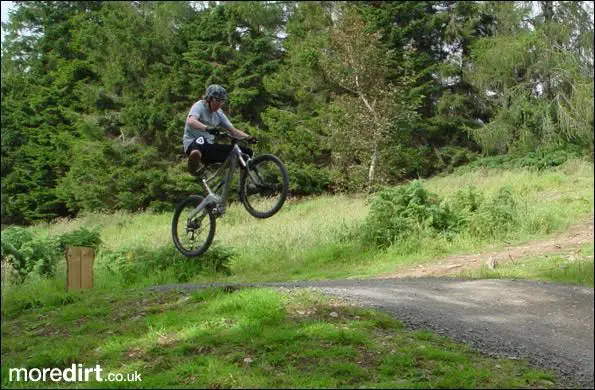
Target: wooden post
column 79, row 270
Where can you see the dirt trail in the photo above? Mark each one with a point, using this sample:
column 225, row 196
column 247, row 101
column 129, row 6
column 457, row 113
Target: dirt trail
column 567, row 243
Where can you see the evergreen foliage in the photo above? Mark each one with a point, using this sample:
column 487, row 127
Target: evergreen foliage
column 351, row 96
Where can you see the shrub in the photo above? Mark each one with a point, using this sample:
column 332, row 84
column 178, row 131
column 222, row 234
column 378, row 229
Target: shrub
column 26, row 253
column 133, row 264
column 406, row 210
column 410, row 212
column 543, row 159
column 496, row 217
column 455, row 156
column 467, row 200
column 80, row 237
column 159, row 207
column 307, row 179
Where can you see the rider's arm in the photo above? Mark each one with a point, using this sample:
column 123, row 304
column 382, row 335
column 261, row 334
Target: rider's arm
column 230, row 129
column 237, row 133
column 192, row 121
column 196, row 111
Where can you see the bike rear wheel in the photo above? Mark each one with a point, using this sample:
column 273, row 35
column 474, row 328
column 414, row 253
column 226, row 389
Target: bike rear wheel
column 264, row 185
column 192, row 237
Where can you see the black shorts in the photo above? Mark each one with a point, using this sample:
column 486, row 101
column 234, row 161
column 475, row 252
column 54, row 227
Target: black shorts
column 211, row 153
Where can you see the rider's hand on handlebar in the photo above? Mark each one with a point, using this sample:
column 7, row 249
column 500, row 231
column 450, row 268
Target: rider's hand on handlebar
column 251, row 140
column 212, row 130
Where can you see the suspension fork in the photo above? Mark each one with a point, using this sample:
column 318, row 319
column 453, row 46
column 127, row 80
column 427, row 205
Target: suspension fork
column 247, row 172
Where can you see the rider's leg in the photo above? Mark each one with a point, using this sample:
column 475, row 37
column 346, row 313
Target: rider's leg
column 194, row 157
column 194, row 161
column 216, row 153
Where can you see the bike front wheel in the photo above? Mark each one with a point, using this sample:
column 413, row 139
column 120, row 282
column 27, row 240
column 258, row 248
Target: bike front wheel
column 192, row 237
column 264, row 185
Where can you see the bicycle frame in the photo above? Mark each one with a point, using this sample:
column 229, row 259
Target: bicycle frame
column 230, row 163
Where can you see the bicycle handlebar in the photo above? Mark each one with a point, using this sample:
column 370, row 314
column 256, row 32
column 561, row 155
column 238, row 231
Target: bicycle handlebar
column 218, row 131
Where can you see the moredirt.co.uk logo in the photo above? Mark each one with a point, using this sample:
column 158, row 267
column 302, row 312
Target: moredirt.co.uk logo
column 75, row 373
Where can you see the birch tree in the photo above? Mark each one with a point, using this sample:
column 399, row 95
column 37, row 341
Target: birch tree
column 368, row 103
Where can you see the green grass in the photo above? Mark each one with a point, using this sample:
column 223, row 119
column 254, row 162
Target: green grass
column 575, row 269
column 550, row 200
column 317, row 238
column 256, row 338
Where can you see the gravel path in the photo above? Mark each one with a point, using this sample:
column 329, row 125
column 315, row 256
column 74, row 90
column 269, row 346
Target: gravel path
column 550, row 325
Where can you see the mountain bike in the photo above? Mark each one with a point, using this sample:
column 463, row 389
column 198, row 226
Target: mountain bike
column 263, row 188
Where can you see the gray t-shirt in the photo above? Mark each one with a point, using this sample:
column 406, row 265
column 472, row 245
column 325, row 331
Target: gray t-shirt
column 200, row 110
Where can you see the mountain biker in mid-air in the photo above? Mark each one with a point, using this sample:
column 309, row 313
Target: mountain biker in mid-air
column 202, row 120
column 263, row 184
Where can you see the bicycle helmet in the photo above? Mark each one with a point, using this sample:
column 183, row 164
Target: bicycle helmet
column 216, row 91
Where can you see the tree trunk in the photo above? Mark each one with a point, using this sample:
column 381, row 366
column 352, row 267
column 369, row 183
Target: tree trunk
column 373, row 164
column 374, row 160
column 548, row 14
